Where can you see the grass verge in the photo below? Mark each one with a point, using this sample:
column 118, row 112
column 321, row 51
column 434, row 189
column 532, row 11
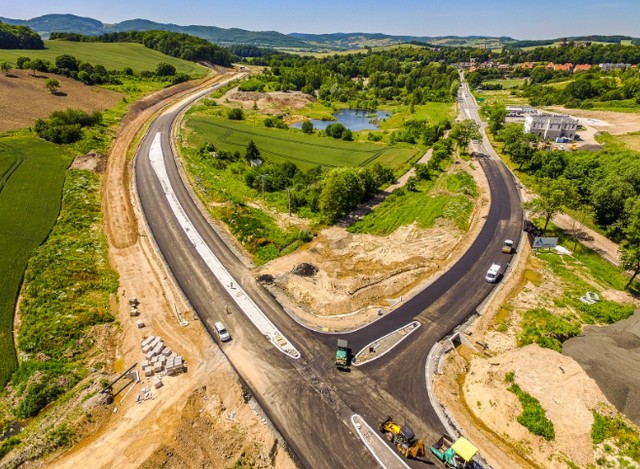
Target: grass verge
column 533, row 416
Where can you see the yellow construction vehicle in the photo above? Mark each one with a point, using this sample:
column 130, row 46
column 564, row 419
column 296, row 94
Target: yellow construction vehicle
column 404, row 439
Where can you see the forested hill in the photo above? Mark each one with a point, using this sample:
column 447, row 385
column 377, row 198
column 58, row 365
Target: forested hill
column 47, row 24
column 19, row 37
column 182, row 46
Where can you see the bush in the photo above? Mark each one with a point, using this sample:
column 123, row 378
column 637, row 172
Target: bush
column 533, row 416
column 235, row 114
column 66, row 126
column 605, row 312
column 163, row 69
column 307, row 127
column 542, row 327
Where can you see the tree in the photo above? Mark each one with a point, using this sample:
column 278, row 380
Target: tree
column 252, row 152
column 496, row 115
column 520, row 150
column 52, row 85
column 5, row 67
column 236, row 114
column 554, row 194
column 307, row 127
column 163, row 69
column 21, row 62
column 67, row 62
column 630, row 247
column 465, row 131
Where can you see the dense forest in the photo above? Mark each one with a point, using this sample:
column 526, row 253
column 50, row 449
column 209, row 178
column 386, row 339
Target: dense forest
column 407, row 75
column 178, row 45
column 19, row 37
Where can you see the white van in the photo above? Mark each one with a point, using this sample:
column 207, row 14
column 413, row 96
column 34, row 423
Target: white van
column 493, row 273
column 222, row 332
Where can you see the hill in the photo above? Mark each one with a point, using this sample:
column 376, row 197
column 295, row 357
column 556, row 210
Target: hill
column 113, row 56
column 47, row 24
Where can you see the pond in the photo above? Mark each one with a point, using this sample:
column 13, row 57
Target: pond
column 353, row 119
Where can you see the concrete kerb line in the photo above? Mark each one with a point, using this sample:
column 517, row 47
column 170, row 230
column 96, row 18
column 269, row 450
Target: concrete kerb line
column 357, row 421
column 415, row 324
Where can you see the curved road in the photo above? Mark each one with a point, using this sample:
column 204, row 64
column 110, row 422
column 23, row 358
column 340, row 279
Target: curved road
column 307, row 399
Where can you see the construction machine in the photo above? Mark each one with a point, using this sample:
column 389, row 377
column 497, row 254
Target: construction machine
column 404, row 439
column 456, row 455
column 343, row 355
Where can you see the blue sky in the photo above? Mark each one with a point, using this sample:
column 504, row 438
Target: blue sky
column 521, row 19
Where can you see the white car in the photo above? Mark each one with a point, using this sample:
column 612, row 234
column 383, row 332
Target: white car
column 493, row 273
column 222, row 332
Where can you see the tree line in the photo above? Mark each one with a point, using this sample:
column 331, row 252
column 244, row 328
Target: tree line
column 180, row 45
column 19, row 37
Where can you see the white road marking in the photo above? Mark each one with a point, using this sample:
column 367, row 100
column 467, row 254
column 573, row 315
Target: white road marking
column 244, row 302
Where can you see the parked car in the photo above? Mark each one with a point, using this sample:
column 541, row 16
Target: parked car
column 222, row 332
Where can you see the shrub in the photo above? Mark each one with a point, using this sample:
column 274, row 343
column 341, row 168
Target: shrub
column 236, row 114
column 533, row 416
column 542, row 327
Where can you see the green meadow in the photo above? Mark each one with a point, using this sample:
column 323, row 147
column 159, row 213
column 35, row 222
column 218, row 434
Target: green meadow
column 113, row 56
column 32, row 174
column 304, row 150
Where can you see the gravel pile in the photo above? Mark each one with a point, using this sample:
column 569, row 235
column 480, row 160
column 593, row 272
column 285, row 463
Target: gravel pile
column 611, row 356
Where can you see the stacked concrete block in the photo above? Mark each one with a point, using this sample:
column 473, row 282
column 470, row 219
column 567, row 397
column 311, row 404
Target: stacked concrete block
column 156, row 382
column 166, row 351
column 148, row 371
column 140, row 323
column 158, row 367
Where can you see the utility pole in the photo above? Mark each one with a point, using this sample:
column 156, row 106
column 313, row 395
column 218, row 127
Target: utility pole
column 289, row 199
column 262, row 176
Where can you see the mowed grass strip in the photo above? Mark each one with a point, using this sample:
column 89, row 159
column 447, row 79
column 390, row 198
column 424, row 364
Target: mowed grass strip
column 305, row 151
column 113, row 56
column 29, row 206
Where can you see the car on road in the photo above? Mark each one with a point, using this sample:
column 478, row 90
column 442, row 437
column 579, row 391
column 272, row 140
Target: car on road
column 222, row 332
column 493, row 273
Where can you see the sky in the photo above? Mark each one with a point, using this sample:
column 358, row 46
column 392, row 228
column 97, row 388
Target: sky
column 520, row 19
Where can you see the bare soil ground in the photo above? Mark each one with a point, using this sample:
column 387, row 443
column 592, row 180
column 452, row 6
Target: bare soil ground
column 359, row 274
column 473, row 385
column 196, row 419
column 616, row 123
column 269, row 103
column 25, row 92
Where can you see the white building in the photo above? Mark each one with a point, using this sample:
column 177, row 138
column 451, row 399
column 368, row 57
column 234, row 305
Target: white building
column 548, row 126
column 520, row 111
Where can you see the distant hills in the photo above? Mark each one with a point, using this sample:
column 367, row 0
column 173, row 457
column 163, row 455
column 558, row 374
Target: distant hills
column 47, row 24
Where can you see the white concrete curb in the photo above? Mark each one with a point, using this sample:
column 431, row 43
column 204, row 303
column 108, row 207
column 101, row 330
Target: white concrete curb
column 358, row 422
column 244, row 302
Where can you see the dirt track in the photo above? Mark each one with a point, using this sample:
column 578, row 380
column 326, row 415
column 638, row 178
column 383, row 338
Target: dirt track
column 199, row 418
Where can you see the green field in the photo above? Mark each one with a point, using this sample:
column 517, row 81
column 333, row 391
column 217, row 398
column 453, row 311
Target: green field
column 506, row 83
column 305, row 151
column 113, row 56
column 502, row 97
column 32, row 172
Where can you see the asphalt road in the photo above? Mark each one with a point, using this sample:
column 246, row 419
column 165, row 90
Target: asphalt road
column 310, row 402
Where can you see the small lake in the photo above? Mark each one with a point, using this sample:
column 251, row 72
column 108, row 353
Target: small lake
column 353, row 119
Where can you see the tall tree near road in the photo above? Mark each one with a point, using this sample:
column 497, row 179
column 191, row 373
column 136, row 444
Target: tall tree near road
column 465, row 131
column 630, row 247
column 496, row 115
column 553, row 195
column 252, row 152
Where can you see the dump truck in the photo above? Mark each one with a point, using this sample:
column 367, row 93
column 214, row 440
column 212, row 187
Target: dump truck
column 343, row 355
column 403, row 438
column 507, row 246
column 456, row 455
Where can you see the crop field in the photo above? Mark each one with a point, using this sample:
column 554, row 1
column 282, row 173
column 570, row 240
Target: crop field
column 113, row 56
column 507, row 83
column 305, row 151
column 31, row 178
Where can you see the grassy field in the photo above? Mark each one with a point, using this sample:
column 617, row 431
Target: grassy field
column 507, row 83
column 404, row 207
column 113, row 56
column 305, row 151
column 503, row 97
column 29, row 204
column 431, row 112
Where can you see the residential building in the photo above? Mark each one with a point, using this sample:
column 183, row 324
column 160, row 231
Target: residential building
column 582, row 68
column 547, row 126
column 520, row 111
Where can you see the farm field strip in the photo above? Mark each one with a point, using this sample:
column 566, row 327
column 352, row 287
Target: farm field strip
column 113, row 56
column 307, row 151
column 29, row 205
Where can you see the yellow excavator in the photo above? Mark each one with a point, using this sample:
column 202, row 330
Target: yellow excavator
column 404, row 439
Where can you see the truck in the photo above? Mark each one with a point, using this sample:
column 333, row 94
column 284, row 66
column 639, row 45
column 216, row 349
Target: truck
column 343, row 355
column 403, row 437
column 456, row 454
